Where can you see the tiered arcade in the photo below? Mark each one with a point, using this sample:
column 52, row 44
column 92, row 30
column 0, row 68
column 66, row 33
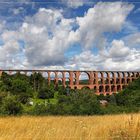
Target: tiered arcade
column 103, row 82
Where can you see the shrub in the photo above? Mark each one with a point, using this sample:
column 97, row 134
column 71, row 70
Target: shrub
column 22, row 90
column 82, row 102
column 39, row 109
column 2, row 96
column 11, row 106
column 19, row 86
column 45, row 93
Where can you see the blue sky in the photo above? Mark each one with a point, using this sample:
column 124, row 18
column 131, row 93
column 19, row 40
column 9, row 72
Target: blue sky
column 70, row 34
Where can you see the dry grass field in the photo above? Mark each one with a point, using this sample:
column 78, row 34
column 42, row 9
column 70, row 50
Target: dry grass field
column 109, row 127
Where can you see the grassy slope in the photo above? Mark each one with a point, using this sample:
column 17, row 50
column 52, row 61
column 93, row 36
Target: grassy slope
column 60, row 128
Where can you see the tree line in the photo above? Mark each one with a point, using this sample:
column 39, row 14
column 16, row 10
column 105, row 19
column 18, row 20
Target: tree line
column 32, row 95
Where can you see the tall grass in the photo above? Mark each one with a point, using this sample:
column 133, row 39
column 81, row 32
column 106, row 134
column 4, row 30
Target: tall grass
column 113, row 127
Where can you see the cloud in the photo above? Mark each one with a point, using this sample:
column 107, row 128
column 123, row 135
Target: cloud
column 133, row 39
column 130, row 63
column 118, row 57
column 104, row 17
column 118, row 49
column 75, row 4
column 83, row 61
column 121, row 57
column 47, row 35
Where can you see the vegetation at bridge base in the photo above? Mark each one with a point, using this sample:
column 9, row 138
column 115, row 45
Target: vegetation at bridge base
column 21, row 94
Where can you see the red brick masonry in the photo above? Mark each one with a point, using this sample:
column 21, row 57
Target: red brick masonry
column 103, row 82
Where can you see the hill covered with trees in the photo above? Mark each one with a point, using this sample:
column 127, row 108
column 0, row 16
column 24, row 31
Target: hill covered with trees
column 31, row 95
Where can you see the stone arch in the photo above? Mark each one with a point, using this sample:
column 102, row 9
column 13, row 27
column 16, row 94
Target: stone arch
column 105, row 74
column 107, row 88
column 95, row 88
column 29, row 73
column 132, row 74
column 100, row 77
column 118, row 87
column 137, row 74
column 9, row 72
column 21, row 72
column 95, row 78
column 121, row 74
column 128, row 80
column 60, row 78
column 123, row 78
column 117, row 74
column 67, row 78
column 84, row 78
column 101, row 89
column 74, row 78
column 13, row 73
column 94, row 81
column 123, row 81
column 117, row 78
column 107, row 77
column 52, row 77
column 113, row 88
column 45, row 75
column 133, row 79
column 128, row 74
column 85, row 87
column 112, row 76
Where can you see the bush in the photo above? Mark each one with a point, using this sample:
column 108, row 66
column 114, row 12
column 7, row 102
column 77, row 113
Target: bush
column 19, row 86
column 22, row 89
column 11, row 106
column 130, row 96
column 45, row 93
column 39, row 109
column 82, row 102
column 2, row 96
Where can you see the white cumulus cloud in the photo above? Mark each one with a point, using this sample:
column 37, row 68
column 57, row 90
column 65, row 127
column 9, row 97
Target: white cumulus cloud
column 47, row 35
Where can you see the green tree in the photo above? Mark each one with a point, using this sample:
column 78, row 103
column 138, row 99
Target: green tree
column 81, row 102
column 11, row 106
column 37, row 81
column 130, row 96
column 46, row 93
column 21, row 89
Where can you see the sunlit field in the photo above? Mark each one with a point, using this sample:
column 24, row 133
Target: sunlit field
column 113, row 127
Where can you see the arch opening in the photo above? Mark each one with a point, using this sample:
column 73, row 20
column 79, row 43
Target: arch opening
column 101, row 89
column 52, row 77
column 67, row 78
column 107, row 89
column 84, row 78
column 118, row 88
column 113, row 88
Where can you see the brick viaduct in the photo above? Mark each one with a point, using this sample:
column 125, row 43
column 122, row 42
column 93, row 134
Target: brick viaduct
column 103, row 82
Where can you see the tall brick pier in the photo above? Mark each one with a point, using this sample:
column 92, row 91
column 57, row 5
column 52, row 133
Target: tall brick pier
column 103, row 82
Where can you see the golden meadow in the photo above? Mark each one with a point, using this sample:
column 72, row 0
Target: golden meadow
column 108, row 127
